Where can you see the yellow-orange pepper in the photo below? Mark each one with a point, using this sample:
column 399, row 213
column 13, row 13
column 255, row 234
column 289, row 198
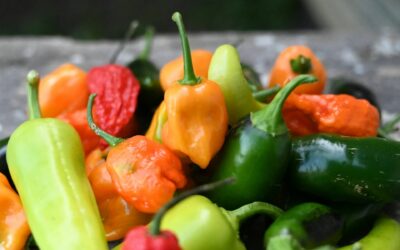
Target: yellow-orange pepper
column 336, row 114
column 117, row 215
column 197, row 118
column 157, row 122
column 62, row 91
column 14, row 229
column 173, row 71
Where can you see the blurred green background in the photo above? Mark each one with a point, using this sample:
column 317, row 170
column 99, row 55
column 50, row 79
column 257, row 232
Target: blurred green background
column 105, row 19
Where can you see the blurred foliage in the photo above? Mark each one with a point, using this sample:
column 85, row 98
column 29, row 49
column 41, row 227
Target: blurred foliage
column 90, row 19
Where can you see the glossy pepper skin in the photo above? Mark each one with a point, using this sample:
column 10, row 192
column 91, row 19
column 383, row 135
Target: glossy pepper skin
column 339, row 168
column 144, row 172
column 140, row 239
column 64, row 90
column 14, row 228
column 263, row 144
column 226, row 70
column 384, row 235
column 173, row 70
column 117, row 215
column 311, row 224
column 200, row 224
column 197, row 118
column 46, row 162
column 337, row 114
column 295, row 60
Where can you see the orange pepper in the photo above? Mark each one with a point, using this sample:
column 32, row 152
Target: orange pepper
column 157, row 122
column 336, row 114
column 14, row 229
column 197, row 117
column 63, row 90
column 173, row 71
column 117, row 215
column 296, row 60
column 79, row 121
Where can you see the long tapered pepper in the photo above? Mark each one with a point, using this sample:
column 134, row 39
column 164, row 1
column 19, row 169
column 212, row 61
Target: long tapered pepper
column 256, row 153
column 197, row 118
column 14, row 229
column 46, row 162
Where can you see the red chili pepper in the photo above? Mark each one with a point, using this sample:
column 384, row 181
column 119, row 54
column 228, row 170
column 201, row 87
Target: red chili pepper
column 140, row 238
column 117, row 91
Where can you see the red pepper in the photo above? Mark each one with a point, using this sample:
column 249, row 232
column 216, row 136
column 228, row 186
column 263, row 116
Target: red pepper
column 117, row 91
column 140, row 238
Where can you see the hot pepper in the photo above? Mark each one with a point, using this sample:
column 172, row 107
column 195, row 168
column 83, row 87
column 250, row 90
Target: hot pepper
column 226, row 70
column 263, row 144
column 117, row 89
column 117, row 215
column 46, row 162
column 144, row 172
column 311, row 224
column 173, row 71
column 337, row 114
column 296, row 60
column 197, row 118
column 384, row 235
column 62, row 91
column 14, row 229
column 339, row 168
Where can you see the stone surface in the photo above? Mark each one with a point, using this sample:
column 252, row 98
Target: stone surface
column 369, row 58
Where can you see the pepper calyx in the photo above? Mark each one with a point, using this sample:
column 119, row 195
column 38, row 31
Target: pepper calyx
column 301, row 65
column 270, row 119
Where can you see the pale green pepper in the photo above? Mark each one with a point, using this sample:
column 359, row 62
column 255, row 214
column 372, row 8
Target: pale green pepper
column 46, row 161
column 225, row 70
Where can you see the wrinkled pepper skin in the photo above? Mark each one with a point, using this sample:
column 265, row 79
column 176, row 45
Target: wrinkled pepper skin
column 256, row 153
column 46, row 162
column 311, row 224
column 354, row 170
column 14, row 229
column 384, row 235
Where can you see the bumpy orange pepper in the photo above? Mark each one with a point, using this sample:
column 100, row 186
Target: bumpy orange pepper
column 117, row 215
column 62, row 91
column 173, row 71
column 14, row 229
column 144, row 172
column 296, row 60
column 337, row 114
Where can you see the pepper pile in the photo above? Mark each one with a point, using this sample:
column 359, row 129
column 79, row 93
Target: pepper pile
column 111, row 154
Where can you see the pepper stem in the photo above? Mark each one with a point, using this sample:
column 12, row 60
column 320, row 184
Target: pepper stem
column 33, row 80
column 248, row 210
column 301, row 64
column 148, row 40
column 129, row 33
column 111, row 140
column 263, row 94
column 189, row 78
column 154, row 227
column 269, row 119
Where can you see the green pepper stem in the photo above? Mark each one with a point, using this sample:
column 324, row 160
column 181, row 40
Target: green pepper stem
column 154, row 227
column 148, row 41
column 111, row 140
column 301, row 64
column 248, row 210
column 269, row 119
column 262, row 95
column 33, row 80
column 129, row 33
column 189, row 78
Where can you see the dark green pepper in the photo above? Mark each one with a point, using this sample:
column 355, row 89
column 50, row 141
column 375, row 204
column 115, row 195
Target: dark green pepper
column 354, row 170
column 256, row 153
column 151, row 93
column 310, row 224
